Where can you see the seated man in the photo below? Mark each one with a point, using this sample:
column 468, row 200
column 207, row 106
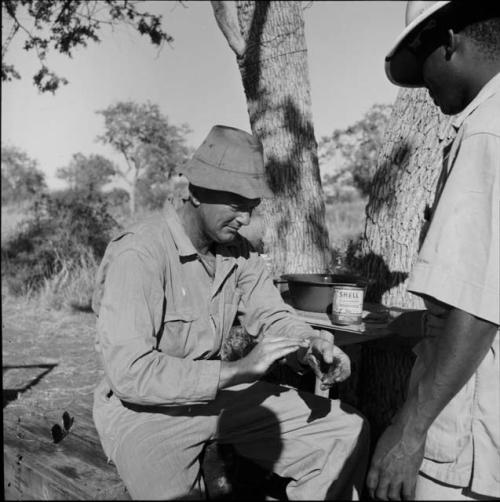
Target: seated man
column 168, row 291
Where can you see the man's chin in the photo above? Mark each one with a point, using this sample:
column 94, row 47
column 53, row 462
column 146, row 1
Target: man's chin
column 227, row 237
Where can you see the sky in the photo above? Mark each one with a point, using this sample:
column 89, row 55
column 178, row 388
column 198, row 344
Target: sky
column 195, row 80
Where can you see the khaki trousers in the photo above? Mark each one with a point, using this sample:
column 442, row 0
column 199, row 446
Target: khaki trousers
column 321, row 444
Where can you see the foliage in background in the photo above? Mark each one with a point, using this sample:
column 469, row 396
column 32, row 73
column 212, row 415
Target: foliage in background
column 72, row 287
column 151, row 147
column 87, row 174
column 348, row 157
column 60, row 230
column 21, row 178
column 53, row 25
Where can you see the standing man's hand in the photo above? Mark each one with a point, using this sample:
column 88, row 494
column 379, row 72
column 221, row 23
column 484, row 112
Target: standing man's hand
column 329, row 363
column 395, row 464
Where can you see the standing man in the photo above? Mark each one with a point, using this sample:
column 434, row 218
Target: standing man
column 168, row 291
column 444, row 443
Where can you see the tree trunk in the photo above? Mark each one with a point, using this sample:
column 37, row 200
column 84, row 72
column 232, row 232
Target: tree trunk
column 409, row 165
column 131, row 200
column 268, row 38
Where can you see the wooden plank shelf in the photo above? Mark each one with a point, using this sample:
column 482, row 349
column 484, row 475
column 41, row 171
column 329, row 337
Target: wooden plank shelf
column 35, row 467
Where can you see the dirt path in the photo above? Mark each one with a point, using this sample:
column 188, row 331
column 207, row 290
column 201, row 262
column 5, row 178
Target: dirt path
column 49, row 361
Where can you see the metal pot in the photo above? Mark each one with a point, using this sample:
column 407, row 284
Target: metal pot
column 314, row 292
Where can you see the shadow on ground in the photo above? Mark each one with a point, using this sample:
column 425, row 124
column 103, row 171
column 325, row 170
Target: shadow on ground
column 12, row 387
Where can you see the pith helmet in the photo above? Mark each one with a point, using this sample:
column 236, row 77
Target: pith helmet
column 230, row 160
column 401, row 65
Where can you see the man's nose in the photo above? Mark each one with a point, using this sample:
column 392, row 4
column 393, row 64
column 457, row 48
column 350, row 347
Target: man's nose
column 243, row 218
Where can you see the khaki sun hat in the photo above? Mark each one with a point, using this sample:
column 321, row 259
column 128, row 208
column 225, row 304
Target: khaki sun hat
column 401, row 65
column 230, row 160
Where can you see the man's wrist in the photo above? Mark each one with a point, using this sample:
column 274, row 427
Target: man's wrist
column 411, row 419
column 229, row 374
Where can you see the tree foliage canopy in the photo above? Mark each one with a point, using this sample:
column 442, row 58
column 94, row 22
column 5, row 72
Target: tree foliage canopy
column 151, row 146
column 60, row 230
column 349, row 156
column 62, row 26
column 21, row 178
column 87, row 174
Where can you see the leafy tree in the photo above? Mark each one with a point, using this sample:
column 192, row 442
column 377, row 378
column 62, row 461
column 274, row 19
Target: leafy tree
column 21, row 178
column 87, row 174
column 62, row 26
column 151, row 148
column 61, row 228
column 349, row 156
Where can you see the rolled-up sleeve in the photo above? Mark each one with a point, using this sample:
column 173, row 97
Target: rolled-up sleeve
column 459, row 259
column 129, row 319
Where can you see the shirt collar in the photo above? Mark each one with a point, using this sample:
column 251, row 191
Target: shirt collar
column 181, row 240
column 491, row 88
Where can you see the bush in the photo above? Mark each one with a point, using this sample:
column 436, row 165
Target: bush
column 60, row 230
column 72, row 287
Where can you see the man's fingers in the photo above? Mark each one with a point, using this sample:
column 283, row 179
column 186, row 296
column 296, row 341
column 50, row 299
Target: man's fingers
column 372, row 481
column 277, row 343
column 408, row 491
column 382, row 488
column 323, row 349
column 279, row 353
column 394, row 492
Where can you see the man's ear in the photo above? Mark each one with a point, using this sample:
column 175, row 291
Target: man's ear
column 451, row 44
column 193, row 199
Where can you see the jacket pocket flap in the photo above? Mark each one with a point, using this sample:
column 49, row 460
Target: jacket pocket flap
column 185, row 316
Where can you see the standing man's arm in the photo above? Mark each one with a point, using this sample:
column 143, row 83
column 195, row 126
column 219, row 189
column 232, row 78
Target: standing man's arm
column 460, row 349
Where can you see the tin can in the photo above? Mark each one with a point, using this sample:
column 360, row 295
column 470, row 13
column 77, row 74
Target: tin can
column 347, row 304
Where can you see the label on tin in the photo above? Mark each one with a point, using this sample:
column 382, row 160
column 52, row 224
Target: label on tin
column 347, row 304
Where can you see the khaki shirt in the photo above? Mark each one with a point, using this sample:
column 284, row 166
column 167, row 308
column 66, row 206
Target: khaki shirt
column 458, row 264
column 162, row 319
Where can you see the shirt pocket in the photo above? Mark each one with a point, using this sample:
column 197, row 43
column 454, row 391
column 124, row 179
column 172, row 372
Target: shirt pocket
column 178, row 338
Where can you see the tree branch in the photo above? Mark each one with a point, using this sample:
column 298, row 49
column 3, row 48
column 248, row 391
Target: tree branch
column 227, row 18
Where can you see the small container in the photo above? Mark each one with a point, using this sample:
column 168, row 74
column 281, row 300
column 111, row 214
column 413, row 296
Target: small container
column 347, row 304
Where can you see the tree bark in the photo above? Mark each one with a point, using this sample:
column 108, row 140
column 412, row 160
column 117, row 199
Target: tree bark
column 272, row 59
column 132, row 198
column 408, row 168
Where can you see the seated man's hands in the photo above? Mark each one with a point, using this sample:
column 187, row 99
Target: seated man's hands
column 330, row 364
column 257, row 362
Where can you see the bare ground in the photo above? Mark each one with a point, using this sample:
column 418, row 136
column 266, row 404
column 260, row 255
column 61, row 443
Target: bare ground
column 48, row 358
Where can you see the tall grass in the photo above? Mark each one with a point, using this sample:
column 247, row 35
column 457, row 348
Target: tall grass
column 72, row 287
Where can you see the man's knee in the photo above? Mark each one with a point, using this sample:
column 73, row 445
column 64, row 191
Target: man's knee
column 357, row 427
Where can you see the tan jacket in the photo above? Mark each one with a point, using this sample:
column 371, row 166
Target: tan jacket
column 162, row 320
